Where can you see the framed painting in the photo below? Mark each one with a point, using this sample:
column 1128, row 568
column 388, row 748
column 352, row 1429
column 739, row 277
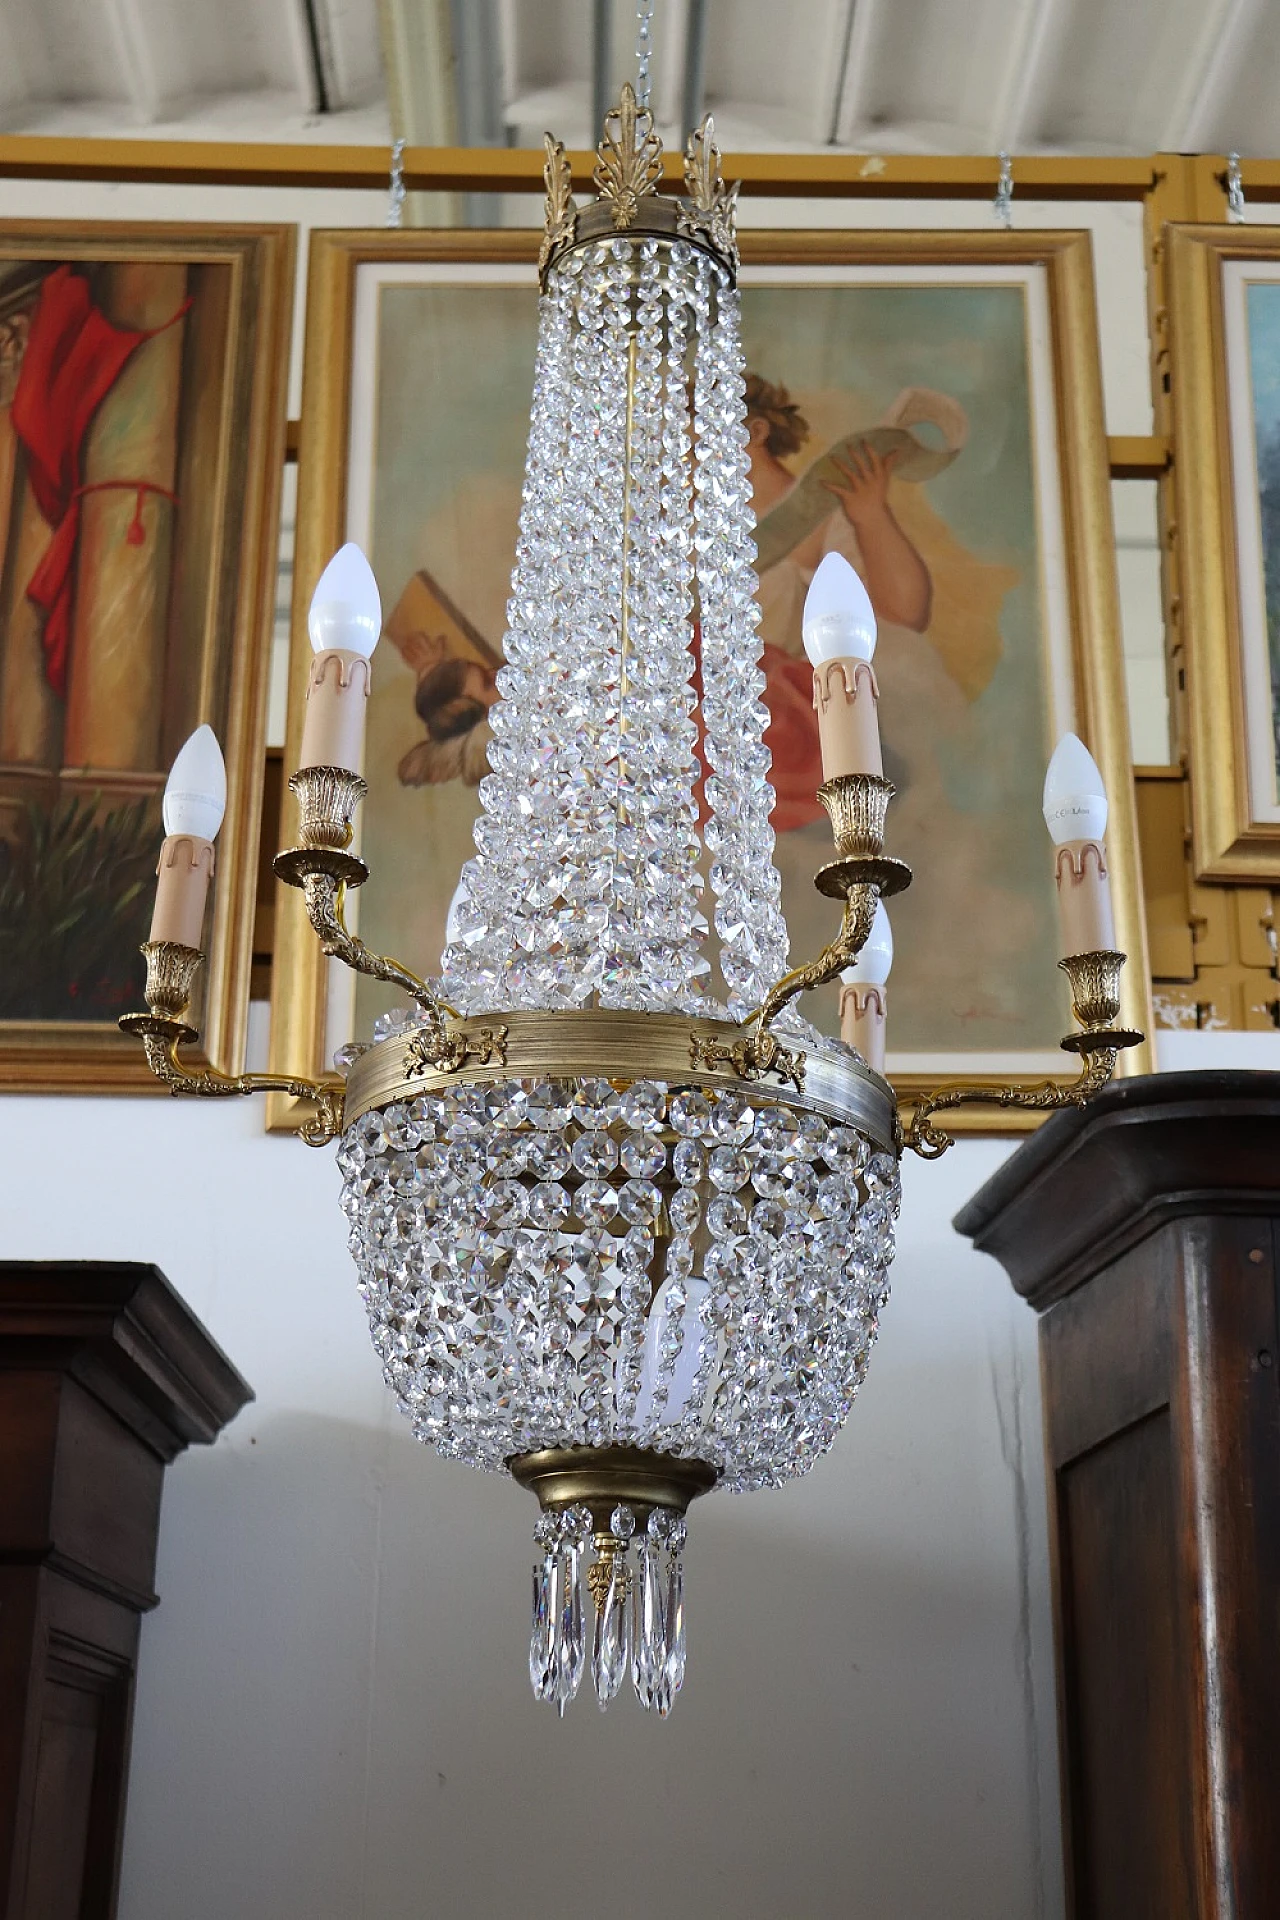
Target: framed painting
column 143, row 398
column 1224, row 360
column 928, row 405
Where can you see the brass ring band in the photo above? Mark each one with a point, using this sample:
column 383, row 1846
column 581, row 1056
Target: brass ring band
column 621, row 1046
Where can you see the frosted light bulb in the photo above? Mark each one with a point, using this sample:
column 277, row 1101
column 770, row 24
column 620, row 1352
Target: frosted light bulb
column 346, row 609
column 680, row 1383
column 873, row 964
column 838, row 621
column 1075, row 800
column 195, row 796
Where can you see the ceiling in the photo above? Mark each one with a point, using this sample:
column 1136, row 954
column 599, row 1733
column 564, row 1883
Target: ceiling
column 908, row 76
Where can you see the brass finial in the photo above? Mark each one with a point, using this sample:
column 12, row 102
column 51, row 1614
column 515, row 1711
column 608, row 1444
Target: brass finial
column 628, row 159
column 713, row 208
column 628, row 179
column 562, row 215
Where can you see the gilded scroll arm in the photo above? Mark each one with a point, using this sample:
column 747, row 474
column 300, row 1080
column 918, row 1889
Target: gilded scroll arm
column 171, row 972
column 1046, row 1097
column 161, row 1038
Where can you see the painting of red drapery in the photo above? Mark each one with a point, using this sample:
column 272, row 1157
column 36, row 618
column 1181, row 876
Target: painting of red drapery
column 137, row 517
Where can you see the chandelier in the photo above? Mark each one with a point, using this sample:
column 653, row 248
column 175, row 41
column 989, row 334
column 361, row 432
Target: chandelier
column 622, row 1219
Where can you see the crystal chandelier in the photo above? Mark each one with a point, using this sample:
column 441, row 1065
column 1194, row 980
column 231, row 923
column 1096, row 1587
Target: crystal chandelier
column 622, row 1219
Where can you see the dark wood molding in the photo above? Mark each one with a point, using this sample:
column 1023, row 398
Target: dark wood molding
column 104, row 1377
column 1146, row 1231
column 1156, row 1148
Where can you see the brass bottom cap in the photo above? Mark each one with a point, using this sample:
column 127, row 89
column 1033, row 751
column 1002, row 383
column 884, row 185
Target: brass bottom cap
column 602, row 1478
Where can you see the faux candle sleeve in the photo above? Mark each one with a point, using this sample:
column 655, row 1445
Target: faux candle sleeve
column 1084, row 898
column 184, row 873
column 846, row 698
column 337, row 693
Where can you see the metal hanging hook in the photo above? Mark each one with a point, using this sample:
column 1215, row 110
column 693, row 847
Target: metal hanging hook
column 644, row 49
column 1235, row 190
column 1002, row 205
column 395, row 194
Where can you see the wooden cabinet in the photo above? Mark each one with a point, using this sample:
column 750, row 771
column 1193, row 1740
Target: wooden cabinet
column 104, row 1377
column 1145, row 1232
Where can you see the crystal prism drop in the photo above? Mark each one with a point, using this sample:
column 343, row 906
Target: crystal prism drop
column 572, row 1650
column 540, row 1638
column 610, row 1660
column 551, row 1688
column 650, row 1646
column 675, row 1625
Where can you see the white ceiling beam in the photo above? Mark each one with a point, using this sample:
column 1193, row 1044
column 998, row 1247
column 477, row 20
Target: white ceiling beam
column 1210, row 68
column 508, row 53
column 418, row 54
column 601, row 31
column 851, row 105
column 309, row 32
column 477, row 72
column 689, row 48
column 137, row 72
column 1028, row 73
column 354, row 51
column 417, row 44
column 671, row 66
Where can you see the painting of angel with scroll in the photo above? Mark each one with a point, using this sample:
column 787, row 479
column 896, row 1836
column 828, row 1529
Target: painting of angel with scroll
column 906, row 416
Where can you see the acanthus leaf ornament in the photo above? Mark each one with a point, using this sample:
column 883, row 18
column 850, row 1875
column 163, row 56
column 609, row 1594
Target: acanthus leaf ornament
column 561, row 214
column 628, row 159
column 711, row 209
column 440, row 1049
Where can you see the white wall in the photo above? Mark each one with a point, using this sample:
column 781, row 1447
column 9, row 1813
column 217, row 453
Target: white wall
column 334, row 1719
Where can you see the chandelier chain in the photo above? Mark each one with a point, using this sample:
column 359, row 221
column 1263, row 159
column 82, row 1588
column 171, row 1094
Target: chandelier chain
column 395, row 189
column 644, row 48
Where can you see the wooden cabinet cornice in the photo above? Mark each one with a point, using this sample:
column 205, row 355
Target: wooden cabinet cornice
column 105, row 1376
column 1145, row 1231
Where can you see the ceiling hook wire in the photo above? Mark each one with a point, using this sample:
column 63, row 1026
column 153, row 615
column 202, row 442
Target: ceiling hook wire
column 644, row 48
column 395, row 191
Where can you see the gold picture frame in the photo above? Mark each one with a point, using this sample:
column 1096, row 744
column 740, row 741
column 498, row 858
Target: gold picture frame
column 143, row 418
column 1232, row 699
column 1074, row 463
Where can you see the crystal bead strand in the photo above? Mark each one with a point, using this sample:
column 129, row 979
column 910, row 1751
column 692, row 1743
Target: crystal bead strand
column 495, row 880
column 656, row 882
column 566, row 963
column 673, row 567
column 748, row 913
column 580, row 695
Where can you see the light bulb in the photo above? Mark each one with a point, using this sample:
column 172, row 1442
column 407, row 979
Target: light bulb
column 1075, row 800
column 658, row 1327
column 195, row 795
column 346, row 610
column 874, row 962
column 838, row 621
